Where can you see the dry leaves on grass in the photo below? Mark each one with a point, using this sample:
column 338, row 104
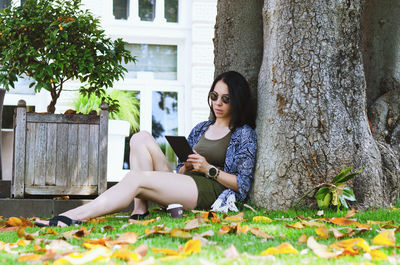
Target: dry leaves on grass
column 284, row 248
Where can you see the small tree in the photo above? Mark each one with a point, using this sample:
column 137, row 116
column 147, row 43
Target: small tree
column 56, row 41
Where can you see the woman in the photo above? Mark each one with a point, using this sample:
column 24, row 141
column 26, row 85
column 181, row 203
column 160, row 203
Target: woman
column 221, row 167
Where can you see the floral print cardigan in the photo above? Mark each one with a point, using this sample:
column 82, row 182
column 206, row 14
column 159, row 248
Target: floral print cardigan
column 240, row 158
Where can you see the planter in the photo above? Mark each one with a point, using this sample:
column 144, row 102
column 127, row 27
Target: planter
column 59, row 154
column 2, row 93
column 117, row 131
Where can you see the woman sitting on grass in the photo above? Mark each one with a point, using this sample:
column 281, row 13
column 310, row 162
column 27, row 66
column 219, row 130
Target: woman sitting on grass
column 220, row 170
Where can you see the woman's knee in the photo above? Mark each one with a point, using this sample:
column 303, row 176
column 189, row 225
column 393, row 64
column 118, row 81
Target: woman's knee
column 141, row 137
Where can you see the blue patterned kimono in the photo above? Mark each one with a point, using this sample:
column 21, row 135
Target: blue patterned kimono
column 240, row 158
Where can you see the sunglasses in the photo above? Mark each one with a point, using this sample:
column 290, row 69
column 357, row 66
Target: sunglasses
column 214, row 97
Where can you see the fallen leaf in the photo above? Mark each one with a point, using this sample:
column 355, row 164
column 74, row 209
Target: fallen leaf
column 235, row 218
column 260, row 233
column 124, row 239
column 349, row 244
column 170, row 258
column 14, row 221
column 176, row 232
column 242, row 229
column 126, row 254
column 231, row 252
column 99, row 241
column 142, row 222
column 9, row 229
column 319, row 249
column 142, row 250
column 99, row 254
column 49, row 231
column 342, row 221
column 59, row 245
column 376, row 254
column 262, row 219
column 385, row 238
column 295, row 225
column 213, row 217
column 208, row 233
column 302, row 239
column 31, row 257
column 351, row 213
column 81, row 232
column 192, row 224
column 192, row 246
column 337, row 234
column 166, row 251
column 320, row 213
column 379, row 222
column 226, row 229
column 248, row 206
column 323, row 232
column 284, row 248
column 312, row 224
column 108, row 228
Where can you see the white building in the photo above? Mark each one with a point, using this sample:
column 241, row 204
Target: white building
column 172, row 40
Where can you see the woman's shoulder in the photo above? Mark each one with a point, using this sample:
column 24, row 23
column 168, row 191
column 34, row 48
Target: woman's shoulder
column 245, row 131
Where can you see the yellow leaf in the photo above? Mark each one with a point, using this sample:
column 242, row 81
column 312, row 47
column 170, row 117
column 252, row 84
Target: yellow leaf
column 295, row 225
column 262, row 219
column 22, row 242
column 323, row 232
column 235, row 218
column 378, row 255
column 192, row 246
column 170, row 258
column 124, row 239
column 99, row 254
column 284, row 248
column 176, row 232
column 312, row 223
column 166, row 251
column 351, row 243
column 342, row 221
column 385, row 238
column 126, row 254
column 319, row 249
column 31, row 257
column 14, row 221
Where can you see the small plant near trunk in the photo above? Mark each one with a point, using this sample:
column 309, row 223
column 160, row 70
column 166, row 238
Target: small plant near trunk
column 335, row 193
column 55, row 41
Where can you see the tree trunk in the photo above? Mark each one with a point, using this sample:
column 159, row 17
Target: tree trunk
column 238, row 39
column 311, row 99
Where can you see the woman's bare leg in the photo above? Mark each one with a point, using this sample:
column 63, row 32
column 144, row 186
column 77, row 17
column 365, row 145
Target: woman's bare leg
column 145, row 155
column 161, row 187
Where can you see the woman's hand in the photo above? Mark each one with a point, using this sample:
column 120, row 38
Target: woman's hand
column 187, row 166
column 198, row 162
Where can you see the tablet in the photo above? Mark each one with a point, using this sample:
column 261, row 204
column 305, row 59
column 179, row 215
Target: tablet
column 180, row 146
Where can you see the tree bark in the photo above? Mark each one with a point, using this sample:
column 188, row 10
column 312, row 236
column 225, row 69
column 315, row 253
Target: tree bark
column 312, row 104
column 238, row 39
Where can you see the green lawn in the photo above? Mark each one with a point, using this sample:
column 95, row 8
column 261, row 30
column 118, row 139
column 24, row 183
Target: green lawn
column 248, row 245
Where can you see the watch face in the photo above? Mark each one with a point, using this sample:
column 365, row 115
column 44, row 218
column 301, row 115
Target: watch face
column 212, row 171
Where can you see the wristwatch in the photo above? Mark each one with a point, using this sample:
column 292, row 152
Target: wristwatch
column 213, row 172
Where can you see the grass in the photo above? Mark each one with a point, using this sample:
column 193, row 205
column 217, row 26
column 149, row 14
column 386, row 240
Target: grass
column 244, row 243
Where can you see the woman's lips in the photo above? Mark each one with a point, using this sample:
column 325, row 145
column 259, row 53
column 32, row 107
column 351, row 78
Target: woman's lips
column 218, row 110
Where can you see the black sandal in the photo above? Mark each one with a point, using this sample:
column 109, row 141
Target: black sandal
column 54, row 221
column 139, row 216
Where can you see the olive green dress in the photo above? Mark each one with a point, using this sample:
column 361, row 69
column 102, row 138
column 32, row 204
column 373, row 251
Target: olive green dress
column 214, row 151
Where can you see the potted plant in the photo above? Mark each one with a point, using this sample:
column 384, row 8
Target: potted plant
column 53, row 42
column 121, row 124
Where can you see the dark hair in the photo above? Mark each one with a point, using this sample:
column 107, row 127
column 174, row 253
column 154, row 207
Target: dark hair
column 242, row 107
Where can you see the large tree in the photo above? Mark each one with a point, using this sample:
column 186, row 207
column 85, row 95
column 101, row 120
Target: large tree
column 312, row 96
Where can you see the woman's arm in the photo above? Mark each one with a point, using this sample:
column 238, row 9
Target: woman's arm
column 200, row 164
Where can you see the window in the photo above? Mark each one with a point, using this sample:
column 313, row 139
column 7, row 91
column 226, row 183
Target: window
column 147, row 10
column 171, row 10
column 165, row 121
column 120, row 9
column 5, row 3
column 153, row 62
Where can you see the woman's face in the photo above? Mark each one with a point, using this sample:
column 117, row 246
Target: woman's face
column 221, row 94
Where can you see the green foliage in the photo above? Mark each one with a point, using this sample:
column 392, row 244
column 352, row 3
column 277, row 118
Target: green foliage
column 56, row 41
column 337, row 193
column 129, row 106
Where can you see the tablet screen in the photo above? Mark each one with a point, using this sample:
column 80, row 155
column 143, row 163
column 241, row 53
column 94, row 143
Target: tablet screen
column 180, row 146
